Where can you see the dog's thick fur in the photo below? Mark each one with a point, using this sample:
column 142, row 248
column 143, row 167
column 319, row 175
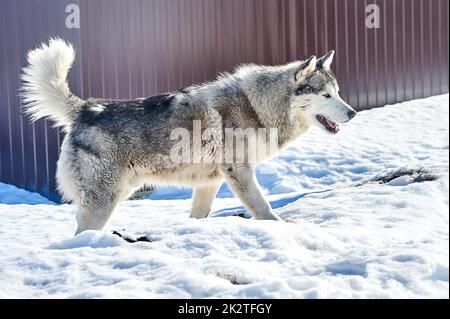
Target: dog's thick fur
column 113, row 147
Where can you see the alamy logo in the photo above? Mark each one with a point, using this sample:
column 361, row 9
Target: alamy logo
column 373, row 16
column 230, row 145
column 73, row 16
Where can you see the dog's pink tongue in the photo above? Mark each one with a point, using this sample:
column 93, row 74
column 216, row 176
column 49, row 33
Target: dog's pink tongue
column 333, row 125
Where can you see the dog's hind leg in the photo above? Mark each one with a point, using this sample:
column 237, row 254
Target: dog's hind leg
column 202, row 199
column 96, row 207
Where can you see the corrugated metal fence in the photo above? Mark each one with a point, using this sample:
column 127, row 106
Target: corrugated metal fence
column 142, row 47
column 28, row 152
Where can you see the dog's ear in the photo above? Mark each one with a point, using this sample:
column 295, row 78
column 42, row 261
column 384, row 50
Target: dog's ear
column 305, row 69
column 325, row 61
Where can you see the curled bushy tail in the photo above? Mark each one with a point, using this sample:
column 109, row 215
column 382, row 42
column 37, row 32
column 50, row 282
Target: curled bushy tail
column 45, row 91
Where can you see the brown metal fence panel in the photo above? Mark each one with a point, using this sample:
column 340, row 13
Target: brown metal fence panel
column 28, row 152
column 134, row 48
column 142, row 47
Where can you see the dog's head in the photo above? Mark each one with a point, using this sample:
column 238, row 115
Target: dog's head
column 315, row 94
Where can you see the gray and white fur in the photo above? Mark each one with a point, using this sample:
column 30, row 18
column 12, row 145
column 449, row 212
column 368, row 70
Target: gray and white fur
column 113, row 147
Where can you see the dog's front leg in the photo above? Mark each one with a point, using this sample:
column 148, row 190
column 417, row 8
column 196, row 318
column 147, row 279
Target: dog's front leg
column 242, row 181
column 202, row 199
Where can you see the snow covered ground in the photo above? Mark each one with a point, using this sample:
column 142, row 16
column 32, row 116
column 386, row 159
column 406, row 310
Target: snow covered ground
column 349, row 236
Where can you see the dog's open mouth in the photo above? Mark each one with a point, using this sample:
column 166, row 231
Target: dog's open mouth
column 330, row 126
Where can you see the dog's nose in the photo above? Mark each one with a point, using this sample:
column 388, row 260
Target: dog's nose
column 351, row 114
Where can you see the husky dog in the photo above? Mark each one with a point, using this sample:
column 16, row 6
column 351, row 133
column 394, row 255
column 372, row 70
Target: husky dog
column 113, row 147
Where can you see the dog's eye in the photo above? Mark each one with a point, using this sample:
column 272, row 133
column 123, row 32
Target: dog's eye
column 326, row 95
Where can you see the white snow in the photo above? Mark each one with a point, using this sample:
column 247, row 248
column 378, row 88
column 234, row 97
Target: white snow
column 348, row 236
